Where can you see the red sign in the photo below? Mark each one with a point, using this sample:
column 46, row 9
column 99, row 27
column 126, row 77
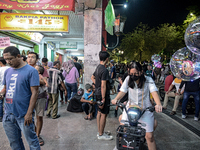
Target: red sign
column 4, row 42
column 68, row 5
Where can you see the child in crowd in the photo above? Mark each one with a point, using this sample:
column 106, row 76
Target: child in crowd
column 88, row 95
column 40, row 70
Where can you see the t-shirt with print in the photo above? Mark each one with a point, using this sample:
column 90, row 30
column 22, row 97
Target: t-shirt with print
column 101, row 73
column 18, row 89
column 2, row 71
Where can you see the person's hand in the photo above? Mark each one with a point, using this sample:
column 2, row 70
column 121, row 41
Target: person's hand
column 101, row 107
column 91, row 102
column 1, row 96
column 77, row 85
column 28, row 119
column 114, row 101
column 177, row 94
column 179, row 90
column 158, row 108
column 167, row 92
column 65, row 92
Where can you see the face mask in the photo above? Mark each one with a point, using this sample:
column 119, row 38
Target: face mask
column 135, row 78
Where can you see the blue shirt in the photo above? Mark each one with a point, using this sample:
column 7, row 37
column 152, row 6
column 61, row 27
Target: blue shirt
column 18, row 89
column 88, row 94
column 113, row 71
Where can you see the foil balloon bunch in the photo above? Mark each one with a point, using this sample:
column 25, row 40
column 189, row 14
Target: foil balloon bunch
column 185, row 62
column 156, row 60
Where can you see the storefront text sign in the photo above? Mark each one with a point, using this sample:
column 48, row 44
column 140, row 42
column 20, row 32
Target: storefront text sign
column 33, row 22
column 4, row 42
column 68, row 5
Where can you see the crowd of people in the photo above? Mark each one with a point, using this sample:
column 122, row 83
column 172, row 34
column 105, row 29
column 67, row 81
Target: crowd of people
column 30, row 88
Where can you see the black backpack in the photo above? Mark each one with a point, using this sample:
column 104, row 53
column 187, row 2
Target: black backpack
column 75, row 104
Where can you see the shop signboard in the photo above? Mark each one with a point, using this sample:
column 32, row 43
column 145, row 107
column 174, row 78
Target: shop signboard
column 33, row 22
column 66, row 5
column 32, row 36
column 51, row 45
column 4, row 42
column 68, row 45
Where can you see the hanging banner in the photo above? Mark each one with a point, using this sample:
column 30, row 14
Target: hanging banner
column 68, row 5
column 33, row 22
column 4, row 42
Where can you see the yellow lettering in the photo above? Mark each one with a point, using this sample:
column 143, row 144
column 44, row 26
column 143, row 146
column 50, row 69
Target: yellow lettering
column 45, row 6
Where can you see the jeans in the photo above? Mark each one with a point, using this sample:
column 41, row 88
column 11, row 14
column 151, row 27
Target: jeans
column 186, row 96
column 1, row 107
column 71, row 88
column 13, row 127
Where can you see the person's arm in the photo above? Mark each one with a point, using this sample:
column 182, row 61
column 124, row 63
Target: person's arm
column 93, row 79
column 182, row 83
column 83, row 100
column 77, row 76
column 3, row 92
column 119, row 96
column 63, row 85
column 156, row 98
column 170, row 88
column 112, row 75
column 81, row 71
column 28, row 116
column 103, row 92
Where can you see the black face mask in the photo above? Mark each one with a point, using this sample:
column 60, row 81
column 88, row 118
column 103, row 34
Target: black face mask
column 135, row 78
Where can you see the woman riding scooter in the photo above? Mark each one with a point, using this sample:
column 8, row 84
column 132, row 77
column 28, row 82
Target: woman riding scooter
column 139, row 87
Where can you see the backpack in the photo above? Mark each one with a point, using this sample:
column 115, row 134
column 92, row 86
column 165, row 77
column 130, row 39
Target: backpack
column 75, row 104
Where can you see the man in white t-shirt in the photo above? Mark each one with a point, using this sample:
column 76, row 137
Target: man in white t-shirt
column 176, row 94
column 3, row 68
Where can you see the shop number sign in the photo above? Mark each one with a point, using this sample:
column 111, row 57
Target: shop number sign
column 4, row 42
column 33, row 22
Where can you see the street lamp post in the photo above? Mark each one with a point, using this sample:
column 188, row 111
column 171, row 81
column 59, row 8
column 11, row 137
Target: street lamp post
column 119, row 53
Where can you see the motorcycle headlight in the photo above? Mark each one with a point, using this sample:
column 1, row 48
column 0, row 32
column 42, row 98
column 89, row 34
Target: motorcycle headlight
column 134, row 113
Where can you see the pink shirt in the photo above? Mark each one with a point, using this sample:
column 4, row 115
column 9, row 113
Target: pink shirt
column 72, row 76
column 45, row 74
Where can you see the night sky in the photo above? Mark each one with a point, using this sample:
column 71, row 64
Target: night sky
column 152, row 12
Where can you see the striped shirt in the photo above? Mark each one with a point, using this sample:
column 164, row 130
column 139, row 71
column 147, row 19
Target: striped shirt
column 55, row 78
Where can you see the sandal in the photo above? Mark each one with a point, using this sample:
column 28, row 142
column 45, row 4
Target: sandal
column 86, row 118
column 173, row 113
column 41, row 141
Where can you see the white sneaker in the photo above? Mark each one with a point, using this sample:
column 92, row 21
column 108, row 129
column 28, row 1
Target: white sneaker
column 107, row 132
column 196, row 118
column 183, row 116
column 105, row 137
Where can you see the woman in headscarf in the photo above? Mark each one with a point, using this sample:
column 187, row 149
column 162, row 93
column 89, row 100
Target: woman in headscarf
column 50, row 64
column 71, row 78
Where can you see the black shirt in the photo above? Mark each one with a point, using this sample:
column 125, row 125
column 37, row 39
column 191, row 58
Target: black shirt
column 101, row 73
column 190, row 86
column 78, row 67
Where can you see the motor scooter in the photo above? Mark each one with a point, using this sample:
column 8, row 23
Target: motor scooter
column 131, row 135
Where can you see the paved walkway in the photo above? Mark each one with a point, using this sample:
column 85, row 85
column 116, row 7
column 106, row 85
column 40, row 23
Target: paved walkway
column 72, row 132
